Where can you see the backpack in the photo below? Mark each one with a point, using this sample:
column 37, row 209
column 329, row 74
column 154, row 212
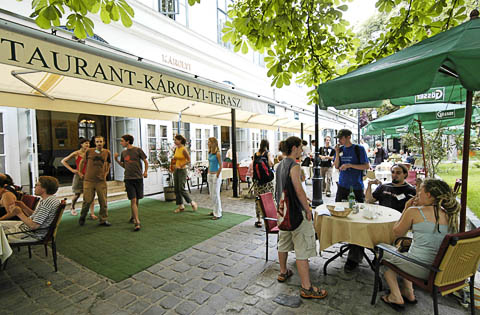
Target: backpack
column 289, row 209
column 356, row 148
column 262, row 172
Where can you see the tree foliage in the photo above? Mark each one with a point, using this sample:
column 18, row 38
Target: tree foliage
column 48, row 13
column 309, row 41
column 436, row 145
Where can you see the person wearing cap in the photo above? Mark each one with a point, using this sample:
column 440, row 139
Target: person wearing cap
column 395, row 194
column 351, row 160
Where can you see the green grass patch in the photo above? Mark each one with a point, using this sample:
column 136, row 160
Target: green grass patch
column 118, row 253
column 451, row 171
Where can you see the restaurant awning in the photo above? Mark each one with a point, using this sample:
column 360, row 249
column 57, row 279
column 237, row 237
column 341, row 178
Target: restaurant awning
column 49, row 72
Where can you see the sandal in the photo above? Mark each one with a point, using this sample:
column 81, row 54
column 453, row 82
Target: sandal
column 137, row 227
column 93, row 217
column 313, row 293
column 282, row 277
column 73, row 212
column 258, row 224
column 216, row 218
column 194, row 206
column 131, row 220
column 179, row 210
column 395, row 306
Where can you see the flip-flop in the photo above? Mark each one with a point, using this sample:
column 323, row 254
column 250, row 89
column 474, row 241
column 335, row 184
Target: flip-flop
column 73, row 212
column 312, row 294
column 178, row 210
column 282, row 277
column 395, row 306
column 415, row 301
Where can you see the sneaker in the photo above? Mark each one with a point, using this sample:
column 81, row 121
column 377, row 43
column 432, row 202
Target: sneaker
column 105, row 223
column 81, row 221
column 350, row 266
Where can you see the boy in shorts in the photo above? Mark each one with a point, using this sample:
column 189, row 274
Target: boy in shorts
column 133, row 177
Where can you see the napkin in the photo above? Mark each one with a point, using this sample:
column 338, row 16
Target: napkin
column 322, row 211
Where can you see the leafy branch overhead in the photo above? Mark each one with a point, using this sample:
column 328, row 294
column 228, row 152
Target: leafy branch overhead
column 48, row 13
column 309, row 41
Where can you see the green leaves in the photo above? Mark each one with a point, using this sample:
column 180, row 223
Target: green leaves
column 47, row 13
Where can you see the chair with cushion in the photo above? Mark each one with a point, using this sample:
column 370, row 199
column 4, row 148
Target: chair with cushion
column 49, row 238
column 242, row 177
column 269, row 213
column 412, row 178
column 457, row 260
column 30, row 201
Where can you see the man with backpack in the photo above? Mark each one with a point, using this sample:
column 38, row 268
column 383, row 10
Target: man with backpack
column 351, row 160
column 262, row 175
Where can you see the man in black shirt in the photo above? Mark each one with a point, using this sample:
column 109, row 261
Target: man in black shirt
column 327, row 154
column 395, row 194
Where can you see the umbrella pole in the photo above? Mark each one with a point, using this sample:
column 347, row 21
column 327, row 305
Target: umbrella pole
column 465, row 160
column 423, row 147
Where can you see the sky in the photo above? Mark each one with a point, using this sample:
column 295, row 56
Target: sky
column 359, row 11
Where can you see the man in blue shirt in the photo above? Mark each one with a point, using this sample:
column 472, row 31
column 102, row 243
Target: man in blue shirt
column 351, row 160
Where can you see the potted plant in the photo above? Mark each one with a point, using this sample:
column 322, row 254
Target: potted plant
column 163, row 162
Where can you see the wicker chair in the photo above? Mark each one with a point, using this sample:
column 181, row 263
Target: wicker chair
column 456, row 261
column 49, row 238
column 269, row 212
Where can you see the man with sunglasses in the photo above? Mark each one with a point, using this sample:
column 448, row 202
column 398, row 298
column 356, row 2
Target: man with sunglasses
column 395, row 194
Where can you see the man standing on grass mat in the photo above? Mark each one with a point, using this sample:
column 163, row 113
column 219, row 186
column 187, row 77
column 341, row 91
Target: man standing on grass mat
column 133, row 177
column 95, row 179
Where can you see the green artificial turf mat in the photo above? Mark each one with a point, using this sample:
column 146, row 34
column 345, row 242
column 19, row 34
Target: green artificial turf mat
column 118, row 253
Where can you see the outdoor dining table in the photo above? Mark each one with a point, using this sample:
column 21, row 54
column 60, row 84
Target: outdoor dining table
column 355, row 229
column 5, row 249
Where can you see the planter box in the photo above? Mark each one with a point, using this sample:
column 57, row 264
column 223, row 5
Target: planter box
column 169, row 193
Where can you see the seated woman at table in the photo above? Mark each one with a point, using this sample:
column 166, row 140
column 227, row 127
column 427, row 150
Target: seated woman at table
column 8, row 196
column 435, row 215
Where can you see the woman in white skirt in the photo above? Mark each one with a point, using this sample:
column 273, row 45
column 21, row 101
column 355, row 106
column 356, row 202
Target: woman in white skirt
column 214, row 177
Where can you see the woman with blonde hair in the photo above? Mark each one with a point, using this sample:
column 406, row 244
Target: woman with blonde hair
column 214, row 177
column 435, row 215
column 182, row 159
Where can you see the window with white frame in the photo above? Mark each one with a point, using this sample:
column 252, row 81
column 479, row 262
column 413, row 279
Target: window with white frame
column 198, row 144
column 263, row 134
column 123, row 126
column 242, row 143
column 175, row 9
column 207, row 135
column 255, row 142
column 152, row 143
column 222, row 18
column 258, row 59
column 2, row 145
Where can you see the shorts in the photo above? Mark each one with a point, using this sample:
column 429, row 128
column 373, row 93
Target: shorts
column 134, row 188
column 77, row 184
column 301, row 240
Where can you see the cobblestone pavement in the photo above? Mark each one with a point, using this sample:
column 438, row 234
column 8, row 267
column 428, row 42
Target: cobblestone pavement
column 225, row 274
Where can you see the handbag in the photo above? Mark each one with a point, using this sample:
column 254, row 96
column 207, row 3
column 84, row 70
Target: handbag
column 403, row 244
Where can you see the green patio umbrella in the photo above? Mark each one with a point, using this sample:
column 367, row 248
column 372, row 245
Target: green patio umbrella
column 432, row 116
column 447, row 59
column 442, row 94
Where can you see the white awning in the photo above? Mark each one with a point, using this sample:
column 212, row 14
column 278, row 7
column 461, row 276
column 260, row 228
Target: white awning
column 48, row 72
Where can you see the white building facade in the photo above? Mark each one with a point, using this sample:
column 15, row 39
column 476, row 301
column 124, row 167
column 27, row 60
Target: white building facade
column 185, row 38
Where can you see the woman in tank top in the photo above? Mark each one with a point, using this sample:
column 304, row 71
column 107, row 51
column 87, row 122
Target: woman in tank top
column 182, row 159
column 214, row 177
column 435, row 215
column 77, row 183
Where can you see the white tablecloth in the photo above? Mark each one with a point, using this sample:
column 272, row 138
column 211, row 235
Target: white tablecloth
column 5, row 249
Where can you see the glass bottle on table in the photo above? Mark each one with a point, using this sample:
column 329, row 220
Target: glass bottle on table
column 351, row 198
